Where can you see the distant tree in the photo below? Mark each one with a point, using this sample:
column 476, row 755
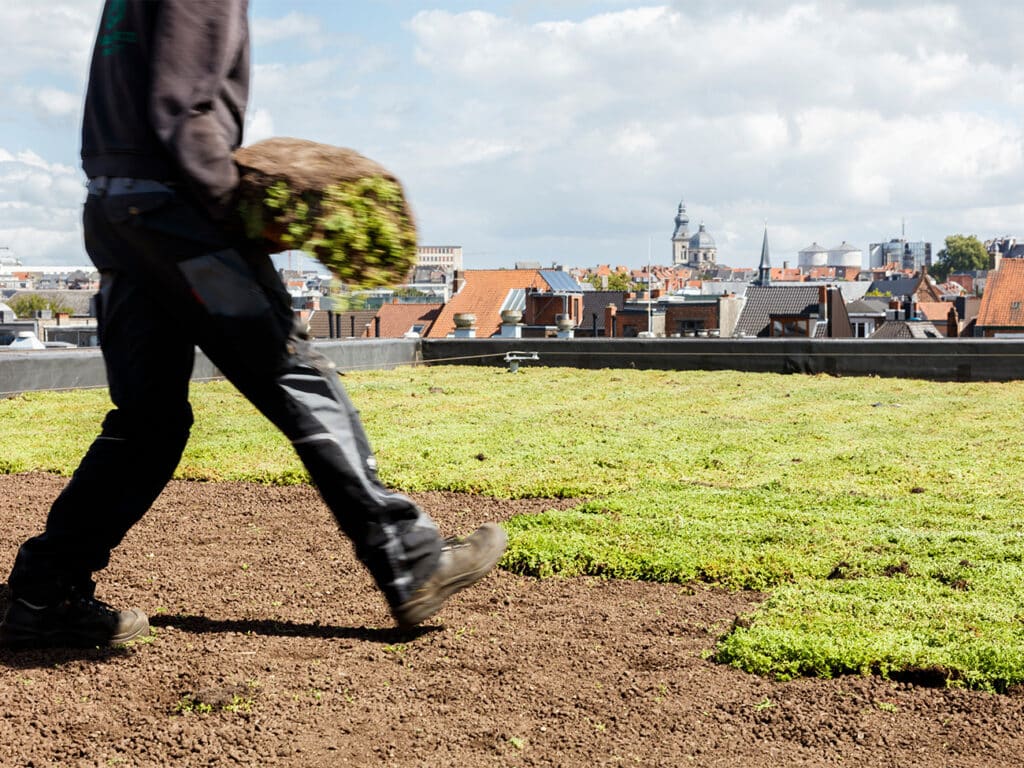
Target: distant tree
column 617, row 281
column 961, row 254
column 27, row 306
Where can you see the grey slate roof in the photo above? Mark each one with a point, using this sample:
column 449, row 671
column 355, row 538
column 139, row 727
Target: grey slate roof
column 907, row 329
column 898, row 288
column 594, row 303
column 867, row 306
column 852, row 289
column 717, row 288
column 766, row 300
column 702, row 239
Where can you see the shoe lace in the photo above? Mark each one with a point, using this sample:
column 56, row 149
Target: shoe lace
column 92, row 605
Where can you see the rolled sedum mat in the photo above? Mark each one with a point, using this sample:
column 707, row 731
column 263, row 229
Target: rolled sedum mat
column 349, row 212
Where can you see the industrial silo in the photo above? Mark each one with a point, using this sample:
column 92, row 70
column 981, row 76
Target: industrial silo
column 813, row 255
column 846, row 255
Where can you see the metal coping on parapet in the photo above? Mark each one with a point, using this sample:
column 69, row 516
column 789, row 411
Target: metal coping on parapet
column 513, row 358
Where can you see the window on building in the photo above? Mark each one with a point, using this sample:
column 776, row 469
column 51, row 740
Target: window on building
column 689, row 326
column 791, row 326
column 863, row 328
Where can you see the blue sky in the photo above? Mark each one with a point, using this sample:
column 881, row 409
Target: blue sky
column 568, row 132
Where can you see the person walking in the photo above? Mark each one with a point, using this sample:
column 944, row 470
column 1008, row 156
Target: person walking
column 164, row 110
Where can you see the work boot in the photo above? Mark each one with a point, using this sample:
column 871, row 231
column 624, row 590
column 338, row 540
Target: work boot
column 463, row 562
column 77, row 622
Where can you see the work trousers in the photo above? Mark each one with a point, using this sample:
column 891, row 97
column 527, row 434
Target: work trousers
column 171, row 280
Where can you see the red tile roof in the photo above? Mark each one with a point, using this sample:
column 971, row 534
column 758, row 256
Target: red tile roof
column 834, row 273
column 483, row 293
column 398, row 319
column 788, row 275
column 1001, row 306
column 936, row 311
column 964, row 281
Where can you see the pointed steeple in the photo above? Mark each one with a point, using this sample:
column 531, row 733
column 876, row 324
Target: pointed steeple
column 764, row 270
column 682, row 224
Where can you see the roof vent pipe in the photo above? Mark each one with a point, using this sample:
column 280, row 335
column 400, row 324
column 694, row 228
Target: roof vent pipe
column 511, row 325
column 465, row 325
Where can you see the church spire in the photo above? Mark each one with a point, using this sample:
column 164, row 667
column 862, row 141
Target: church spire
column 764, row 270
column 682, row 224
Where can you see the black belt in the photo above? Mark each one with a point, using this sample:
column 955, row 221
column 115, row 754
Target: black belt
column 124, row 185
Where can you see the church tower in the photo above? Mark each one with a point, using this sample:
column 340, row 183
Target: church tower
column 764, row 270
column 681, row 238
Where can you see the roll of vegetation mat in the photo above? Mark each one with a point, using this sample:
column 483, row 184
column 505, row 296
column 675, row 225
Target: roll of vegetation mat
column 344, row 209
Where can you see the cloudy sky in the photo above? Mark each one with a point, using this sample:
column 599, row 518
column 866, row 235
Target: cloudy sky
column 568, row 131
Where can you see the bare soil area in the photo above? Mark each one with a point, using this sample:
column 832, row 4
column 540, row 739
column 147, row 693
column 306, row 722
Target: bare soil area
column 272, row 647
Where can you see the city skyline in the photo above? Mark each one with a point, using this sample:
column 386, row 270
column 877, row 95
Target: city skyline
column 567, row 132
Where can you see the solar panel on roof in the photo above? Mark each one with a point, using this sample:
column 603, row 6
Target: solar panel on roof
column 560, row 281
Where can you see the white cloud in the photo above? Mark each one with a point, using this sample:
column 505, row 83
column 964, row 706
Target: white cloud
column 310, row 99
column 53, row 37
column 49, row 105
column 829, row 112
column 295, row 27
column 29, row 172
column 40, row 209
column 574, row 139
column 634, row 140
column 952, row 158
column 55, row 103
column 259, row 126
column 51, row 246
column 468, row 152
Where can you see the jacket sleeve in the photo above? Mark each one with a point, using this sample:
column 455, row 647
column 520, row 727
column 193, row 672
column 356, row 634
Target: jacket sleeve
column 197, row 102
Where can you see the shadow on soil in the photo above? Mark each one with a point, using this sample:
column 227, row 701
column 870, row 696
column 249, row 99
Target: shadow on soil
column 204, row 625
column 37, row 658
column 48, row 658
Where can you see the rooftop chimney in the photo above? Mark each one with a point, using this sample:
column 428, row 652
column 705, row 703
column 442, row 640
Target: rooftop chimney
column 952, row 324
column 609, row 320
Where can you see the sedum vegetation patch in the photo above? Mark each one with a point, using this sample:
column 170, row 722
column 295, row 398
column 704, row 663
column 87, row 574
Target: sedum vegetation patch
column 358, row 229
column 881, row 516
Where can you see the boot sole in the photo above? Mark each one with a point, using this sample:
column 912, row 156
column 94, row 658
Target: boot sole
column 15, row 638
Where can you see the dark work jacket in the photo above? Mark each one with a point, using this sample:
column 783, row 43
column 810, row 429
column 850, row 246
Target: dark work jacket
column 168, row 87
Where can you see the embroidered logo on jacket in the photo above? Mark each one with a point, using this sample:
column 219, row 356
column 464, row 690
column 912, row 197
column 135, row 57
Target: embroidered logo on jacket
column 112, row 39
